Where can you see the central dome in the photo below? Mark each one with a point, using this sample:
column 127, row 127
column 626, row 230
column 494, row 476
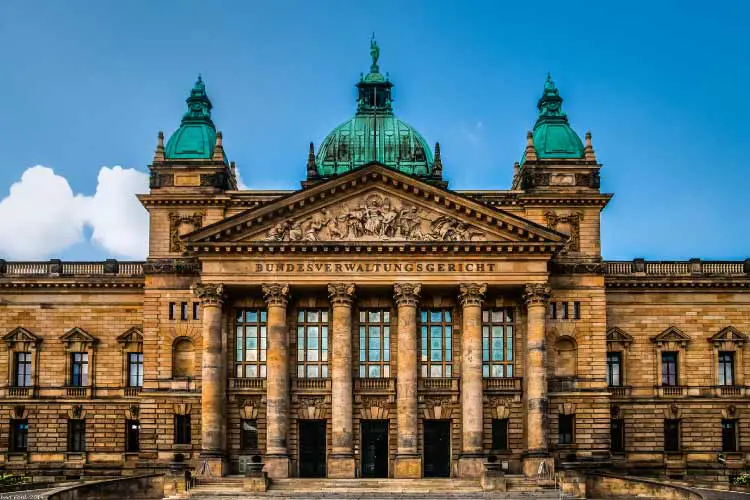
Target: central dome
column 374, row 133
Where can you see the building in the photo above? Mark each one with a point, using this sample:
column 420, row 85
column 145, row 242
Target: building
column 374, row 323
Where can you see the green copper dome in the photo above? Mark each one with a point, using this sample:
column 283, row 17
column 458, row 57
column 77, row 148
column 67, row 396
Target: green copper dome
column 553, row 137
column 196, row 136
column 374, row 133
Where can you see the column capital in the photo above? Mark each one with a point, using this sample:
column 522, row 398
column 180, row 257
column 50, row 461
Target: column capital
column 341, row 293
column 471, row 294
column 407, row 293
column 276, row 294
column 536, row 293
column 210, row 294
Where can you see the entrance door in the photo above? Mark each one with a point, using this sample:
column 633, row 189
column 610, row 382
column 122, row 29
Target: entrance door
column 437, row 448
column 374, row 448
column 312, row 448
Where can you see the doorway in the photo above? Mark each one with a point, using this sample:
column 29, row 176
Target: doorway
column 312, row 448
column 374, row 448
column 437, row 448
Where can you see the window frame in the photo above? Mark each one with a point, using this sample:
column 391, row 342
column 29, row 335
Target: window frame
column 243, row 324
column 665, row 377
column 508, row 348
column 383, row 324
column 610, row 374
column 245, row 433
column 27, row 367
column 322, row 349
column 19, row 429
column 566, row 429
column 138, row 364
column 132, row 428
column 80, row 379
column 672, row 435
column 426, row 326
column 76, row 435
column 182, row 429
column 725, row 366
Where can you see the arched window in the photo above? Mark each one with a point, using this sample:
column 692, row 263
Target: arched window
column 565, row 347
column 183, row 358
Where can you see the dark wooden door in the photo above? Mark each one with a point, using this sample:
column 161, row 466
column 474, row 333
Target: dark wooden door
column 312, row 448
column 374, row 448
column 437, row 448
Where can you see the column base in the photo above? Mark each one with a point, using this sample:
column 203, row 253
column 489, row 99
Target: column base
column 210, row 466
column 277, row 466
column 407, row 467
column 471, row 465
column 538, row 465
column 341, row 466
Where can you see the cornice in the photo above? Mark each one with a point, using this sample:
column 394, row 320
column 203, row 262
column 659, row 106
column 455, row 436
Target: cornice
column 646, row 284
column 119, row 285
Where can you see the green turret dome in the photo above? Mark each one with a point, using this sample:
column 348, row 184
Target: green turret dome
column 196, row 136
column 553, row 137
column 374, row 133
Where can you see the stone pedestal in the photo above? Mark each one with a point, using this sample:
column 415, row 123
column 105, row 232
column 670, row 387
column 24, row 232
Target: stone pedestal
column 341, row 460
column 408, row 461
column 276, row 296
column 470, row 463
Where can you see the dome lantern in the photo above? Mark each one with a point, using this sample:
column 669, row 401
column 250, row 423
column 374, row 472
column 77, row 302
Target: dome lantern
column 196, row 137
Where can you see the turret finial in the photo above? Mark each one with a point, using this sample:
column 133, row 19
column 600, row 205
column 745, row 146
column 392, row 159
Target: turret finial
column 588, row 150
column 312, row 170
column 530, row 149
column 374, row 54
column 159, row 153
column 437, row 165
column 218, row 148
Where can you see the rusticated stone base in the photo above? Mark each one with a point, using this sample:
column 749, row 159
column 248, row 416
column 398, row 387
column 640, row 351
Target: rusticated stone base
column 470, row 466
column 277, row 466
column 408, row 467
column 532, row 466
column 341, row 467
column 211, row 467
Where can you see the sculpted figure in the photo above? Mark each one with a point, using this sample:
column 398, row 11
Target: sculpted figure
column 388, row 227
column 409, row 222
column 295, row 232
column 278, row 232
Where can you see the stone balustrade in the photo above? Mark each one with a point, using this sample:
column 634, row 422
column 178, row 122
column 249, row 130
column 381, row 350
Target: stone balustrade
column 691, row 268
column 58, row 268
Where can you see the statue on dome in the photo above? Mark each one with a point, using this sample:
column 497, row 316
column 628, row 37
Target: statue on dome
column 375, row 54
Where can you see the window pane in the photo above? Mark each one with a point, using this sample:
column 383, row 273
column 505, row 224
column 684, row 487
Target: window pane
column 324, row 316
column 497, row 315
column 374, row 371
column 386, row 316
column 312, row 316
column 448, row 316
column 423, row 316
column 374, row 317
column 312, row 371
column 436, row 316
column 251, row 316
column 436, row 371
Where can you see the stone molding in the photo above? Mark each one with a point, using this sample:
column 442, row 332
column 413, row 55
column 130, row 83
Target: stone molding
column 172, row 266
column 132, row 412
column 407, row 294
column 182, row 408
column 77, row 412
column 341, row 293
column 276, row 294
column 22, row 340
column 210, row 294
column 195, row 220
column 574, row 221
column 471, row 294
column 536, row 293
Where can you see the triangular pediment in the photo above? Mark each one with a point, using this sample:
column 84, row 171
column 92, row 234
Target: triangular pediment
column 728, row 334
column 133, row 335
column 374, row 204
column 616, row 334
column 21, row 335
column 672, row 334
column 78, row 335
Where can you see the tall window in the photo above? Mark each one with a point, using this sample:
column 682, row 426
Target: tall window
column 250, row 343
column 23, row 369
column 566, row 429
column 182, row 429
column 19, row 435
column 729, row 435
column 183, row 311
column 79, row 369
column 726, row 368
column 497, row 342
column 135, row 369
column 437, row 342
column 614, row 369
column 76, row 435
column 132, row 436
column 617, row 435
column 374, row 343
column 669, row 368
column 500, row 434
column 249, row 434
column 312, row 343
column 196, row 310
column 671, row 434
column 172, row 310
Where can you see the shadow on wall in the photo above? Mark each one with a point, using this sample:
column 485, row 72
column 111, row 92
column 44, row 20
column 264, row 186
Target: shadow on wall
column 149, row 487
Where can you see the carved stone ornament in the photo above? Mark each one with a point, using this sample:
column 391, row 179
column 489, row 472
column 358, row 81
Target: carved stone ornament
column 180, row 224
column 566, row 409
column 276, row 293
column 375, row 217
column 172, row 266
column 312, row 408
column 341, row 293
column 572, row 223
column 407, row 293
column 437, row 408
column 537, row 293
column 672, row 412
column 182, row 408
column 77, row 412
column 209, row 294
column 471, row 294
column 578, row 267
column 379, row 402
column 132, row 412
column 730, row 412
column 19, row 412
column 249, row 408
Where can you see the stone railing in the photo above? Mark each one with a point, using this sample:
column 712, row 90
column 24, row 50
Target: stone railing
column 691, row 268
column 57, row 268
column 312, row 384
column 248, row 383
column 729, row 390
column 77, row 392
column 374, row 384
column 502, row 384
column 670, row 390
column 620, row 391
column 20, row 391
column 132, row 391
column 438, row 384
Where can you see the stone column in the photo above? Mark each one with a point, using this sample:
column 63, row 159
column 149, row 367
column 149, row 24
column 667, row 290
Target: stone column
column 276, row 296
column 341, row 461
column 470, row 297
column 536, row 296
column 212, row 381
column 408, row 460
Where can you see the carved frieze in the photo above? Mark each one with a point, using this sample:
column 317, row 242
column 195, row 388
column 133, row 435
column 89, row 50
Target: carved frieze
column 569, row 224
column 180, row 224
column 172, row 266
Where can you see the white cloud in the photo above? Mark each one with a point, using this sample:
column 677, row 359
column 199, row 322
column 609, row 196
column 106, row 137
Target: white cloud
column 41, row 216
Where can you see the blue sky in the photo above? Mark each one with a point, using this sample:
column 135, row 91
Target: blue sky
column 661, row 85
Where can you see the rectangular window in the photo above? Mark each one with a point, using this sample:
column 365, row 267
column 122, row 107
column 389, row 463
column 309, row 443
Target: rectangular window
column 183, row 311
column 250, row 343
column 79, row 369
column 617, row 435
column 614, row 369
column 196, row 310
column 182, row 429
column 566, row 427
column 436, row 328
column 500, row 434
column 563, row 310
column 726, row 368
column 553, row 310
column 729, row 435
column 172, row 310
column 76, row 435
column 249, row 434
column 312, row 343
column 135, row 369
column 497, row 342
column 23, row 369
column 132, row 436
column 374, row 343
column 671, row 434
column 669, row 368
column 19, row 435
column 576, row 310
